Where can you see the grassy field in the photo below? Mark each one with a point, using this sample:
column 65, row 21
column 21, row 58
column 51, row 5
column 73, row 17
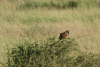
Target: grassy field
column 36, row 23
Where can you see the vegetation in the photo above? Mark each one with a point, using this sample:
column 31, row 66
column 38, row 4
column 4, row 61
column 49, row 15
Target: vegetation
column 60, row 4
column 50, row 53
column 28, row 27
column 40, row 54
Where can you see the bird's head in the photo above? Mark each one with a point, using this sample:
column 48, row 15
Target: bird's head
column 67, row 31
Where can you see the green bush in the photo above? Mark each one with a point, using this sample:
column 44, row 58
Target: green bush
column 59, row 4
column 72, row 4
column 48, row 53
column 49, row 5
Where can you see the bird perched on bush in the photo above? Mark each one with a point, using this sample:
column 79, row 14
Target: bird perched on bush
column 64, row 35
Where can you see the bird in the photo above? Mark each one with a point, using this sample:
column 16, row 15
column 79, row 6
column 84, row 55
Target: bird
column 64, row 35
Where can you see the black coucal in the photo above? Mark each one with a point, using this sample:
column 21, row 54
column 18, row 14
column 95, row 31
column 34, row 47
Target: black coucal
column 64, row 35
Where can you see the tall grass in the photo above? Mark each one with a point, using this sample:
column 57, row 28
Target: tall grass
column 40, row 19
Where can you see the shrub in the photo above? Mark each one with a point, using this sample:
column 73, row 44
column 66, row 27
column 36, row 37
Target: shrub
column 49, row 5
column 72, row 4
column 48, row 53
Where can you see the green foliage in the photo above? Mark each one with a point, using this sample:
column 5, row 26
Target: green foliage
column 59, row 4
column 51, row 4
column 90, row 60
column 89, row 4
column 50, row 53
column 28, row 4
column 43, row 53
column 72, row 4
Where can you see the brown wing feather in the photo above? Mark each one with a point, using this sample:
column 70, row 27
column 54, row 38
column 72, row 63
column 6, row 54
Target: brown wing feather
column 61, row 36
